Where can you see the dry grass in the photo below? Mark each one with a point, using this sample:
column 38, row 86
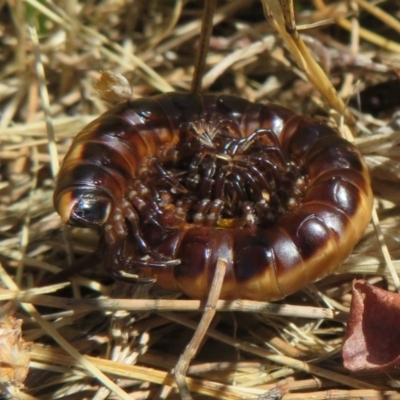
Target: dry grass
column 94, row 337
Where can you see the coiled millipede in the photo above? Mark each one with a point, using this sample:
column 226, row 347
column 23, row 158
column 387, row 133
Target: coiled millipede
column 177, row 181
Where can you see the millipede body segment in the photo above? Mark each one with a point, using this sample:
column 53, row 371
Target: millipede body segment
column 177, row 181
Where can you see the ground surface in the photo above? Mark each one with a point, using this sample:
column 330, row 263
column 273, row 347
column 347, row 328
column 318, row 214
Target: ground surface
column 285, row 353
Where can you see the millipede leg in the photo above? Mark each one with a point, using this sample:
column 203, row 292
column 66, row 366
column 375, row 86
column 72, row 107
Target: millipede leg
column 132, row 217
column 214, row 212
column 260, row 178
column 144, row 209
column 167, row 177
column 201, row 211
column 149, row 196
column 192, row 177
column 272, row 147
column 182, row 365
column 250, row 214
column 249, row 140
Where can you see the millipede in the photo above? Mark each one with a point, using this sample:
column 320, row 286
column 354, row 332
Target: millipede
column 179, row 180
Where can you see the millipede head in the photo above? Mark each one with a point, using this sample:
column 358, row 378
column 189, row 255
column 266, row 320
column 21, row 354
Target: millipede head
column 84, row 207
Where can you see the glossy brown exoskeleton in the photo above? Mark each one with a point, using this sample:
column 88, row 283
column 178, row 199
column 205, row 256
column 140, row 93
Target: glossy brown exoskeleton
column 177, row 181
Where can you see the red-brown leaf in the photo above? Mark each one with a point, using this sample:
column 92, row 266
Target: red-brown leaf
column 372, row 339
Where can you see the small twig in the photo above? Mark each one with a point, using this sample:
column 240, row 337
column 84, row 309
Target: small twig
column 288, row 12
column 200, row 332
column 304, row 60
column 385, row 250
column 206, row 29
column 283, row 310
column 336, row 394
column 44, row 96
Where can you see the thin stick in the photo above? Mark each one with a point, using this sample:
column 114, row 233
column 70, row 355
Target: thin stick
column 44, row 96
column 161, row 305
column 191, row 349
column 288, row 13
column 52, row 148
column 385, row 250
column 303, row 58
column 206, row 29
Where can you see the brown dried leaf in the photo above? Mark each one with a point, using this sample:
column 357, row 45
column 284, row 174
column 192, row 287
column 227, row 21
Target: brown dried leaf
column 14, row 352
column 372, row 339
